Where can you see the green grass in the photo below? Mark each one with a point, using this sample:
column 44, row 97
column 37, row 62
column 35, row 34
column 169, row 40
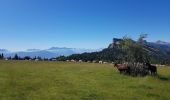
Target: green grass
column 29, row 80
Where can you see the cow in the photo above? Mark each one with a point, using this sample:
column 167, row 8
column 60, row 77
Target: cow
column 100, row 62
column 80, row 61
column 105, row 62
column 151, row 68
column 122, row 68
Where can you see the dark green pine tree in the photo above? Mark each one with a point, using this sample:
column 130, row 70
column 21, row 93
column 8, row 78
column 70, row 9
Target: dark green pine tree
column 2, row 56
column 16, row 57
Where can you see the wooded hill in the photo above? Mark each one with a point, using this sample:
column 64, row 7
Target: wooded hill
column 158, row 53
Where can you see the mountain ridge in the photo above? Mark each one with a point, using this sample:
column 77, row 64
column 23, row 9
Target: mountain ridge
column 157, row 53
column 162, row 42
column 47, row 53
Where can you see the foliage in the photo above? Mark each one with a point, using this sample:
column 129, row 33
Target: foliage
column 16, row 57
column 2, row 56
column 134, row 51
column 27, row 57
column 61, row 58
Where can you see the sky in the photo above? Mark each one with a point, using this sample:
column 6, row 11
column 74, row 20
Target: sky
column 91, row 24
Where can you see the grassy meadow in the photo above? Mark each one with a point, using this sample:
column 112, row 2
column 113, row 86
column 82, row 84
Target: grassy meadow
column 30, row 80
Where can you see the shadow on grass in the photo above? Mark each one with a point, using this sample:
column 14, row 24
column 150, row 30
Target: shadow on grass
column 158, row 76
column 93, row 96
column 163, row 78
column 153, row 95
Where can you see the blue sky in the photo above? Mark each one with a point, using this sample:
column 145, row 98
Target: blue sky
column 41, row 24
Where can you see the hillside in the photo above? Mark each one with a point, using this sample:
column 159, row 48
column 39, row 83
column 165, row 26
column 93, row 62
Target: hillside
column 158, row 52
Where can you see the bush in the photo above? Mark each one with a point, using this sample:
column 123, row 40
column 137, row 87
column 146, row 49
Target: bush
column 138, row 69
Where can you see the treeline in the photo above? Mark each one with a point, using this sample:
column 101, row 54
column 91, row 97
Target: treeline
column 2, row 56
column 107, row 55
column 16, row 57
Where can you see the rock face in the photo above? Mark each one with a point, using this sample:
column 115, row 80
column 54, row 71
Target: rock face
column 115, row 42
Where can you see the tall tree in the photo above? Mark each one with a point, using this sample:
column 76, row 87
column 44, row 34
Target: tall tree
column 2, row 56
column 134, row 51
column 16, row 57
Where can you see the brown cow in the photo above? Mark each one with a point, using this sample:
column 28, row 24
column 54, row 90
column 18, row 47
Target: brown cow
column 122, row 68
column 152, row 69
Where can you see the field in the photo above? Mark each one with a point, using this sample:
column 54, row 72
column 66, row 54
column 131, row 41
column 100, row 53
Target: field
column 29, row 80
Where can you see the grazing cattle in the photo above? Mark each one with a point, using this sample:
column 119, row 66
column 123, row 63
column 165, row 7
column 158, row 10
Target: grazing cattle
column 89, row 61
column 152, row 69
column 53, row 59
column 122, row 68
column 36, row 59
column 100, row 62
column 80, row 61
column 104, row 62
column 94, row 61
column 73, row 60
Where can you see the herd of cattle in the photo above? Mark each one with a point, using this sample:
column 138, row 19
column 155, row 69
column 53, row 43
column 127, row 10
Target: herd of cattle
column 130, row 68
column 127, row 68
column 94, row 61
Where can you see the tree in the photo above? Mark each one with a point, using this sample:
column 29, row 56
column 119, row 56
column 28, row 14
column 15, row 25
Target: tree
column 39, row 58
column 16, row 57
column 27, row 58
column 61, row 58
column 134, row 51
column 2, row 56
column 34, row 58
column 136, row 55
column 141, row 38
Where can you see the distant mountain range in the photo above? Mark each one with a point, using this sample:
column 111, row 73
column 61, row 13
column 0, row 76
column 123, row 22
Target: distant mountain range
column 4, row 51
column 162, row 42
column 48, row 53
column 161, row 45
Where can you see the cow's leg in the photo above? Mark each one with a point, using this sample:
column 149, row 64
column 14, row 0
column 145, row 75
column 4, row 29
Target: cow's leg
column 155, row 73
column 120, row 71
column 150, row 72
